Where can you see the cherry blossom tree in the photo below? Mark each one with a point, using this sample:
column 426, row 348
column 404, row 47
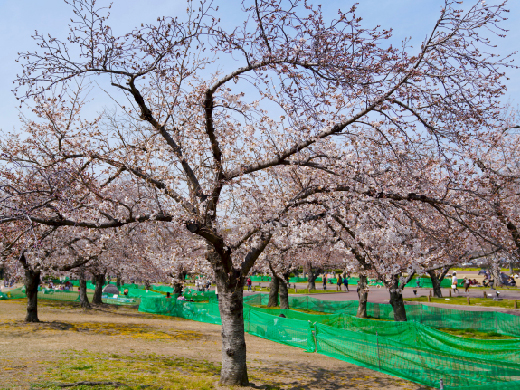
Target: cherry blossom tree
column 208, row 118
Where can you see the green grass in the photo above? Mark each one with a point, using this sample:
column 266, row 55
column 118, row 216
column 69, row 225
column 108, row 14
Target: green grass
column 475, row 334
column 483, row 302
column 134, row 371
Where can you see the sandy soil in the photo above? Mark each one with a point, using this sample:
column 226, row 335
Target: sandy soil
column 26, row 349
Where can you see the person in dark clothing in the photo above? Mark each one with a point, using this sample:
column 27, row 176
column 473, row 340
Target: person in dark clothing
column 324, row 282
column 339, row 282
column 345, row 282
column 466, row 284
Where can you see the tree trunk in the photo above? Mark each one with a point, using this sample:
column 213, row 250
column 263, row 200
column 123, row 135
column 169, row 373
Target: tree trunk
column 284, row 292
column 396, row 300
column 231, row 294
column 32, row 281
column 311, row 281
column 147, row 285
column 274, row 287
column 436, row 284
column 83, row 297
column 178, row 282
column 118, row 282
column 98, row 292
column 363, row 297
column 496, row 270
column 312, row 275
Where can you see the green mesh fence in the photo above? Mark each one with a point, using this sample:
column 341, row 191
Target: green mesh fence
column 506, row 350
column 296, row 333
column 197, row 311
column 488, row 321
column 138, row 293
column 416, row 364
column 162, row 288
column 58, row 295
column 411, row 350
column 297, row 280
column 260, row 278
column 406, row 349
column 121, row 301
column 194, row 295
column 330, row 319
column 159, row 305
column 15, row 293
column 67, row 296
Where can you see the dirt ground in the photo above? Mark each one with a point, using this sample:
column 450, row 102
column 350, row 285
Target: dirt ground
column 156, row 352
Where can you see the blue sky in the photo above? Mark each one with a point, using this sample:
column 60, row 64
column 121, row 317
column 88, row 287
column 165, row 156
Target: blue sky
column 20, row 18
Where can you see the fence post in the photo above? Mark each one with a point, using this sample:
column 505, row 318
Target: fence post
column 315, row 338
column 468, row 300
column 516, row 304
column 378, row 355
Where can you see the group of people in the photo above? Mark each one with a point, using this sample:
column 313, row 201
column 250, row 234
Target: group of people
column 487, row 282
column 511, row 281
column 9, row 284
column 339, row 281
column 467, row 283
column 202, row 285
column 67, row 286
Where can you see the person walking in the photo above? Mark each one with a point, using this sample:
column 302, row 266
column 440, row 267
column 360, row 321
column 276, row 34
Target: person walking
column 454, row 281
column 339, row 282
column 324, row 281
column 345, row 282
column 466, row 285
column 249, row 284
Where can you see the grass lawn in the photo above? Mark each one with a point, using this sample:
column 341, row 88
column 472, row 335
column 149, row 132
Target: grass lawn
column 483, row 302
column 475, row 334
column 110, row 371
